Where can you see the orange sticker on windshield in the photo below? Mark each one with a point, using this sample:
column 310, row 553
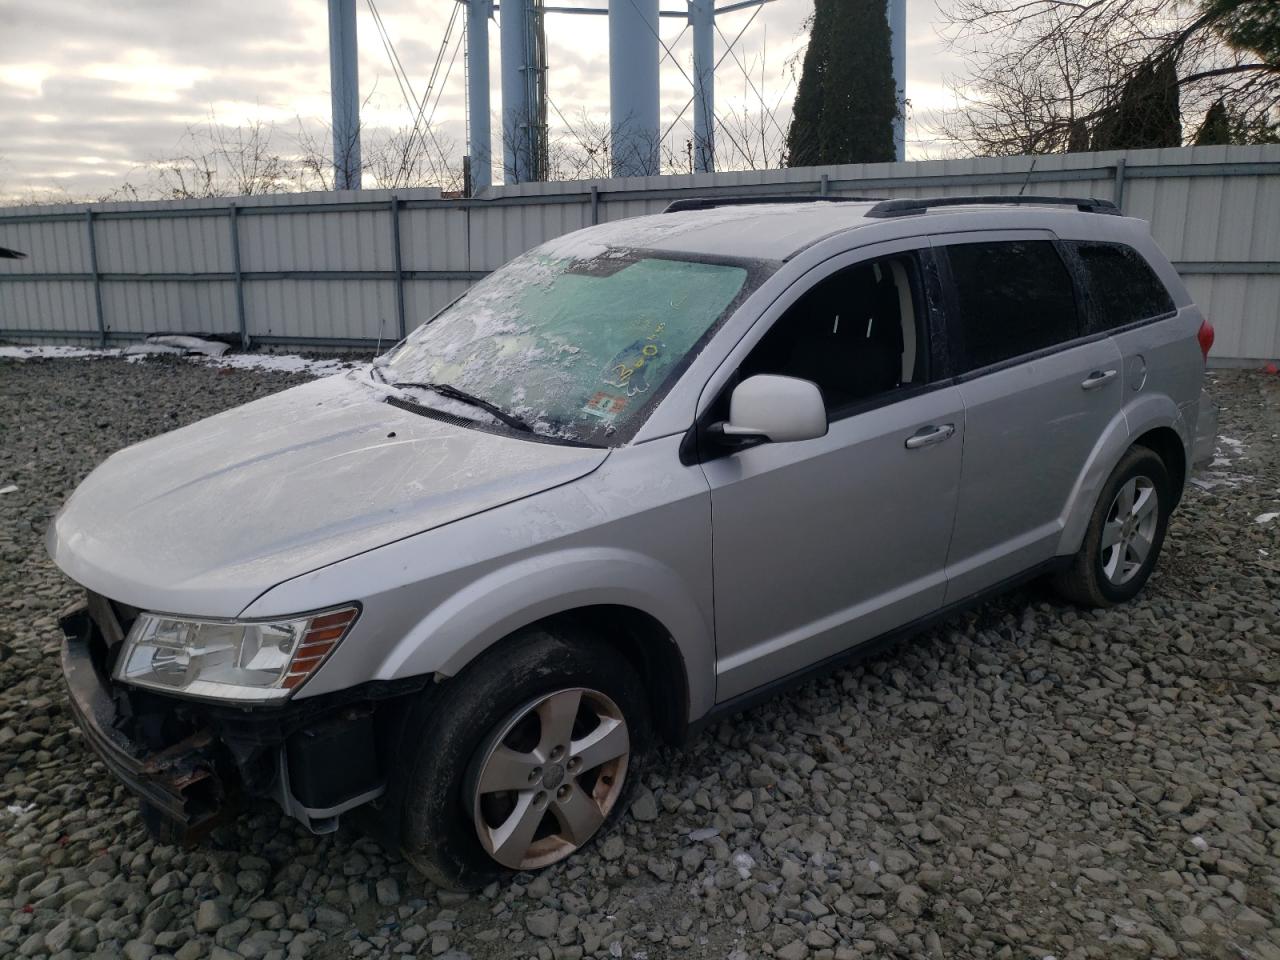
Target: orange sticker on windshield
column 606, row 406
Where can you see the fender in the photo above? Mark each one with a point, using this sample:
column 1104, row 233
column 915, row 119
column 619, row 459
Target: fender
column 1158, row 410
column 1143, row 414
column 503, row 601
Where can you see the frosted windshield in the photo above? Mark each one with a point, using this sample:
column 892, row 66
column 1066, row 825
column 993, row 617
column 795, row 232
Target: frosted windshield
column 575, row 348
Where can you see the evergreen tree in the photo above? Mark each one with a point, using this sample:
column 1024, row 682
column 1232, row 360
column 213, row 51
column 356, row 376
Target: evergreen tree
column 846, row 102
column 1216, row 128
column 1146, row 112
column 1252, row 25
column 1078, row 137
column 1221, row 126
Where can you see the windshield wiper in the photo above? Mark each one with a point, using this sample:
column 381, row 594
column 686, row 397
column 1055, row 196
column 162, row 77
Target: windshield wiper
column 457, row 393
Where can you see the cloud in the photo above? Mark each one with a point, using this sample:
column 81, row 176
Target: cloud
column 90, row 92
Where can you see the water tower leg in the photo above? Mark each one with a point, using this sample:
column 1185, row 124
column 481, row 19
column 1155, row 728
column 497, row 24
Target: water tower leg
column 481, row 145
column 702, row 16
column 633, row 86
column 516, row 109
column 898, row 45
column 344, row 87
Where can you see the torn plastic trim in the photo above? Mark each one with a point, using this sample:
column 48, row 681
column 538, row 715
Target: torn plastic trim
column 319, row 820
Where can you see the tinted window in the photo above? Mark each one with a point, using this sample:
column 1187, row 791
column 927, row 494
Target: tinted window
column 1013, row 297
column 1120, row 285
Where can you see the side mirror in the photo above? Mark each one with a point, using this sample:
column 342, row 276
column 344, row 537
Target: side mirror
column 779, row 409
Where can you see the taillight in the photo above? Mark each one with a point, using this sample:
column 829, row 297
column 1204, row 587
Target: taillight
column 1205, row 336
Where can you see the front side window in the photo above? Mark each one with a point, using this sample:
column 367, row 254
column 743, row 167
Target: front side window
column 576, row 348
column 858, row 334
column 1120, row 286
column 1012, row 298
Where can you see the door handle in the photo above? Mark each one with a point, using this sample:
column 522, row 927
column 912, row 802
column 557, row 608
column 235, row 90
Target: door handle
column 1096, row 379
column 928, row 436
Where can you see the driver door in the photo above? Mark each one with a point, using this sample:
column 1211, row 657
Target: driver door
column 821, row 545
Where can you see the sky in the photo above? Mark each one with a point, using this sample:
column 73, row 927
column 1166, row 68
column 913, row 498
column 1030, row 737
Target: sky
column 93, row 91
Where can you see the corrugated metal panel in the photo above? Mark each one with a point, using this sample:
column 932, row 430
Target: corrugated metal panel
column 434, row 240
column 424, row 299
column 329, row 309
column 50, row 305
column 58, row 247
column 169, row 307
column 163, row 245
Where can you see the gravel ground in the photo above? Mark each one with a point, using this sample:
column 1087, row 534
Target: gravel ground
column 1027, row 780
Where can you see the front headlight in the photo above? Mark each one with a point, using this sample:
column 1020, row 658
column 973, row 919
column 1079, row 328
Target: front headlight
column 230, row 659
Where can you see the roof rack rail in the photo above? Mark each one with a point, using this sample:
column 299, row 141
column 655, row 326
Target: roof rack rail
column 710, row 203
column 907, row 207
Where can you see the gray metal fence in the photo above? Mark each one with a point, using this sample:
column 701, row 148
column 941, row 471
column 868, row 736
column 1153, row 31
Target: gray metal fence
column 353, row 268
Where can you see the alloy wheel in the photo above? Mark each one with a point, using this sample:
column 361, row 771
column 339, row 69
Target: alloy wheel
column 549, row 777
column 1128, row 532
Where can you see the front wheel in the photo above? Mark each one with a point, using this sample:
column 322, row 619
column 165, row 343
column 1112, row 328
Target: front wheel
column 1124, row 536
column 523, row 760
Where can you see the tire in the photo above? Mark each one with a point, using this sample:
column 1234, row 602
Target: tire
column 1104, row 576
column 503, row 720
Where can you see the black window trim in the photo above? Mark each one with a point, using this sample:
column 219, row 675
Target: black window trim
column 1075, row 263
column 697, row 446
column 952, row 307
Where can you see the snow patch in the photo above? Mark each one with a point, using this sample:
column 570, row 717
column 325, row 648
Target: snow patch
column 285, row 363
column 1260, row 518
column 52, row 353
column 265, row 362
column 1221, row 470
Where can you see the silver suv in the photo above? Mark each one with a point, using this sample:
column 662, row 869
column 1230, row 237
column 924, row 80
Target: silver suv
column 637, row 479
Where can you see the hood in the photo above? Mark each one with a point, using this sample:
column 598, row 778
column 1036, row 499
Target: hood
column 204, row 519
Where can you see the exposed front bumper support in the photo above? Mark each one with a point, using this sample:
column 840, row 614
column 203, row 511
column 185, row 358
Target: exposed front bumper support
column 191, row 762
column 180, row 783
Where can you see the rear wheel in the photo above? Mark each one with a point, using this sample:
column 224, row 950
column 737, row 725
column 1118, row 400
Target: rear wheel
column 1125, row 534
column 523, row 760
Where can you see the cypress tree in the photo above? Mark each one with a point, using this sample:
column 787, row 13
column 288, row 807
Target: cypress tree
column 1216, row 128
column 846, row 102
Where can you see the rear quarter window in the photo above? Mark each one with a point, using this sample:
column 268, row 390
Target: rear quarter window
column 1011, row 298
column 1120, row 286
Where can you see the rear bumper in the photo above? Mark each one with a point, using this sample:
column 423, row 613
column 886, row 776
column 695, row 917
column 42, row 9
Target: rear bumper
column 1205, row 440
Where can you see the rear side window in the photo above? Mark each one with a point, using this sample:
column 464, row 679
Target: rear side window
column 1013, row 298
column 1120, row 286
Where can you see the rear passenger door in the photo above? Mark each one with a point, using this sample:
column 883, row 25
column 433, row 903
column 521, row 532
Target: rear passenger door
column 1127, row 300
column 1038, row 393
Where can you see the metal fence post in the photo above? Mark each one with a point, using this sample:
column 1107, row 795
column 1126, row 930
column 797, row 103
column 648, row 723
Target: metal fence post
column 595, row 205
column 1119, row 187
column 97, row 278
column 824, row 186
column 399, row 266
column 233, row 215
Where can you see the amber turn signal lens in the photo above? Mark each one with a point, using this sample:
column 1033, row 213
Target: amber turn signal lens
column 323, row 634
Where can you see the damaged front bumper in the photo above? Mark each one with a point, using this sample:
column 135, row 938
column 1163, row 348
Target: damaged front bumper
column 191, row 763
